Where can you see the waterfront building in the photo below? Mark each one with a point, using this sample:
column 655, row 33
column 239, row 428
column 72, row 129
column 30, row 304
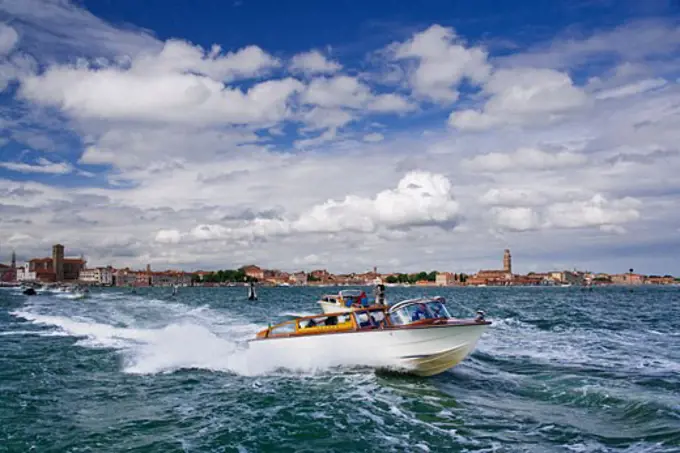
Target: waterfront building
column 253, row 271
column 58, row 268
column 24, row 274
column 98, row 276
column 628, row 279
column 444, row 279
column 494, row 276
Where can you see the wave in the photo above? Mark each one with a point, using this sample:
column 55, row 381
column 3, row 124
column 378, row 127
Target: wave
column 190, row 338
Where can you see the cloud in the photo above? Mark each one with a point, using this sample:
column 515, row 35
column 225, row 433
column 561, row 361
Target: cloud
column 525, row 158
column 158, row 88
column 313, row 62
column 60, row 28
column 631, row 89
column 595, row 212
column 213, row 158
column 421, row 199
column 442, row 62
column 168, row 236
column 522, row 96
column 337, row 91
column 8, row 39
column 598, row 211
column 391, row 102
column 638, row 40
column 42, row 166
column 512, row 196
column 374, row 137
column 516, row 219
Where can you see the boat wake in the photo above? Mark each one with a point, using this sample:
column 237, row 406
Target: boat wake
column 170, row 337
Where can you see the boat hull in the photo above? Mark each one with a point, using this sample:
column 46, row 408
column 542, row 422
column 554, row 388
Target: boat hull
column 422, row 350
column 329, row 307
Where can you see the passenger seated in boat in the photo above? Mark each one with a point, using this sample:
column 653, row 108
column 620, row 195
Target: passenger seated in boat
column 365, row 321
column 363, row 299
column 378, row 322
column 419, row 314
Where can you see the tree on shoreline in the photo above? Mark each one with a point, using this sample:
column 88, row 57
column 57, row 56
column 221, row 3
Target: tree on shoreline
column 227, row 276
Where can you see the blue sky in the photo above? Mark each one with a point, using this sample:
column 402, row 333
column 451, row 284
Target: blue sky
column 342, row 134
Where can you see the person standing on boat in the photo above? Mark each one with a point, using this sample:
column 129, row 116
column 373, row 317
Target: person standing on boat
column 379, row 293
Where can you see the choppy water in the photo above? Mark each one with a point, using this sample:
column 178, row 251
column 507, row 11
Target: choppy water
column 561, row 369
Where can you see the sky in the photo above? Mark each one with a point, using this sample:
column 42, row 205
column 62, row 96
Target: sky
column 342, row 135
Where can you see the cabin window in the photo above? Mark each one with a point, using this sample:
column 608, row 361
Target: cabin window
column 411, row 313
column 342, row 319
column 438, row 310
column 363, row 320
column 370, row 319
column 283, row 329
column 323, row 321
column 378, row 317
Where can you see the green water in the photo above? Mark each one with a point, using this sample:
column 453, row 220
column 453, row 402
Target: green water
column 560, row 369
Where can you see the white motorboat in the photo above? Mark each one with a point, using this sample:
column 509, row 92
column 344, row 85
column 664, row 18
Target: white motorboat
column 344, row 301
column 417, row 334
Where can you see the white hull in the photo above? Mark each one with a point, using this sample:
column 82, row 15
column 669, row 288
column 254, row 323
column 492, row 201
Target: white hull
column 424, row 351
column 329, row 307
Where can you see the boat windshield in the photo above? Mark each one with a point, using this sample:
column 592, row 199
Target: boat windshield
column 370, row 319
column 418, row 310
column 351, row 293
column 438, row 309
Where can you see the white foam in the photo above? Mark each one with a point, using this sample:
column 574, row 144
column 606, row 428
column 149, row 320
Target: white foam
column 198, row 338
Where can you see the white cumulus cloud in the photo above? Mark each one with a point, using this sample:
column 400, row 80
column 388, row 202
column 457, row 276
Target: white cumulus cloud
column 313, row 62
column 42, row 166
column 525, row 158
column 443, row 61
column 8, row 39
column 522, row 96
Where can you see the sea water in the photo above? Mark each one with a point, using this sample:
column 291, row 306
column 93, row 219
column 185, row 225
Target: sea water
column 560, row 370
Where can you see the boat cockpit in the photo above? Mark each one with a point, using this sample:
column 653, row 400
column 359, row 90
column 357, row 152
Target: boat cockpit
column 407, row 312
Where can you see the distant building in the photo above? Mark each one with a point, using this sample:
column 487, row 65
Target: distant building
column 124, row 277
column 24, row 274
column 299, row 278
column 7, row 273
column 494, row 276
column 658, row 280
column 57, row 268
column 98, row 276
column 507, row 261
column 628, row 279
column 444, row 279
column 253, row 271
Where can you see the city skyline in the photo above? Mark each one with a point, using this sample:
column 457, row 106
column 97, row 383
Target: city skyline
column 410, row 137
column 506, row 270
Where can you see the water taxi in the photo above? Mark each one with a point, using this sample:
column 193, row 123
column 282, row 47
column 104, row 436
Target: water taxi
column 344, row 301
column 419, row 335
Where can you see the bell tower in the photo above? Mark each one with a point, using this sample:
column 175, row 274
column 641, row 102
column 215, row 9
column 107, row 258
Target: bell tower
column 507, row 261
column 58, row 262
